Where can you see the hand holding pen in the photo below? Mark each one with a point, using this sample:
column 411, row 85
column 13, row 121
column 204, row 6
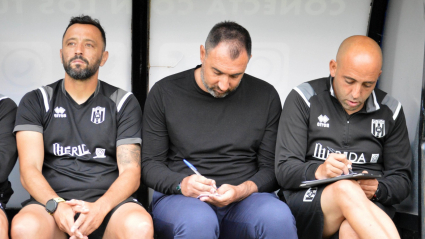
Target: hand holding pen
column 335, row 165
column 196, row 184
column 350, row 171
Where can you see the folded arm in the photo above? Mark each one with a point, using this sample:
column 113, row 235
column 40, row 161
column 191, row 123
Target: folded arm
column 128, row 181
column 265, row 178
column 291, row 146
column 395, row 185
column 155, row 172
column 31, row 156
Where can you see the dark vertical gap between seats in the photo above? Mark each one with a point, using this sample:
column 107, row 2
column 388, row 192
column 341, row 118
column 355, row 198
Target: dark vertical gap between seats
column 375, row 29
column 377, row 16
column 139, row 67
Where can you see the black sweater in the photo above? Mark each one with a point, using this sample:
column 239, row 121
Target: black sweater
column 230, row 139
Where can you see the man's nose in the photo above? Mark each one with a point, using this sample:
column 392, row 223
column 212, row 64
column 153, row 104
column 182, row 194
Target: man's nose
column 224, row 83
column 79, row 49
column 356, row 92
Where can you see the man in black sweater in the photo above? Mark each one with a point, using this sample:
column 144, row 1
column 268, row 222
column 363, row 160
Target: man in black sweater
column 367, row 129
column 224, row 122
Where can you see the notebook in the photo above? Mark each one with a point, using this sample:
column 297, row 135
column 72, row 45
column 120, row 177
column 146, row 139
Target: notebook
column 355, row 176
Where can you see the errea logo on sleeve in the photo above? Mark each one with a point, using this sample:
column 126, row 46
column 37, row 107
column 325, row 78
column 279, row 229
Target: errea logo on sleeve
column 323, row 121
column 59, row 112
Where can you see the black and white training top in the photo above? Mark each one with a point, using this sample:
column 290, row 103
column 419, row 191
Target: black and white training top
column 8, row 152
column 374, row 139
column 80, row 141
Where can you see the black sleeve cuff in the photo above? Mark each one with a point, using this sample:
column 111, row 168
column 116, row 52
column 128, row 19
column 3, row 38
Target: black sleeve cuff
column 310, row 173
column 176, row 188
column 382, row 192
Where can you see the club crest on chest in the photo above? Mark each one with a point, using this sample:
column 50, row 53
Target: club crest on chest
column 378, row 128
column 98, row 115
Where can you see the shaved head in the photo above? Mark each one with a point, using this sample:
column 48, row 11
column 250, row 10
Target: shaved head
column 355, row 47
column 355, row 72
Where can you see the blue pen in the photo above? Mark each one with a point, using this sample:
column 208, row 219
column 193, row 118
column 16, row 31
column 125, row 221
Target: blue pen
column 350, row 171
column 196, row 171
column 191, row 167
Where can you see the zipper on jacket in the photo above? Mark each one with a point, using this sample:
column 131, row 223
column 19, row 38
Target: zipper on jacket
column 347, row 130
column 346, row 142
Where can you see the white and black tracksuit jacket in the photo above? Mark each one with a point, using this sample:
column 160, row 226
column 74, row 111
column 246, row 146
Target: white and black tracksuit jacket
column 373, row 139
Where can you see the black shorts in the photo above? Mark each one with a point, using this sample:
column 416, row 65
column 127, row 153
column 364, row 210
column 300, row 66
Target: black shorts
column 98, row 233
column 307, row 210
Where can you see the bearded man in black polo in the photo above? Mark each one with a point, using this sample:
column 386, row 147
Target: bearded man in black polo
column 79, row 138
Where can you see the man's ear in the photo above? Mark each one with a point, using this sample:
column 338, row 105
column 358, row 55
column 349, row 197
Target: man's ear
column 105, row 56
column 332, row 67
column 203, row 53
column 60, row 55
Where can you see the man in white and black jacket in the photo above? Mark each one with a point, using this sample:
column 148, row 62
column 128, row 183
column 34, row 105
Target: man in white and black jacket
column 367, row 129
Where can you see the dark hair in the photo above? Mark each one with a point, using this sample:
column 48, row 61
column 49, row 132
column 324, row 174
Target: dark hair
column 229, row 32
column 85, row 19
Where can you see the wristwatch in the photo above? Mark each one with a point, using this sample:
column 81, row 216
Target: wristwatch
column 179, row 188
column 52, row 204
column 376, row 195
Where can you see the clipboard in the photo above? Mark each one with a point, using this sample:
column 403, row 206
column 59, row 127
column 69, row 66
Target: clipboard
column 355, row 176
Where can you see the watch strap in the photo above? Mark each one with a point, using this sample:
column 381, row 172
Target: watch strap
column 376, row 195
column 179, row 188
column 59, row 199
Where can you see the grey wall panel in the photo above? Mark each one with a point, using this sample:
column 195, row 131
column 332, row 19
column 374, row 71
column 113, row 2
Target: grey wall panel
column 403, row 51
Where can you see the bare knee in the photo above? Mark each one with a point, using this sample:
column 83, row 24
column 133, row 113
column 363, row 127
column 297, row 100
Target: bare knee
column 24, row 224
column 336, row 201
column 139, row 225
column 347, row 191
column 127, row 223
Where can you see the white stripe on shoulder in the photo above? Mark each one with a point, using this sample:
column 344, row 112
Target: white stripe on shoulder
column 375, row 101
column 123, row 100
column 302, row 95
column 4, row 97
column 45, row 99
column 397, row 111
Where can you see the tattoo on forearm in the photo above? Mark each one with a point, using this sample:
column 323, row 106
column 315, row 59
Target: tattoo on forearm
column 129, row 154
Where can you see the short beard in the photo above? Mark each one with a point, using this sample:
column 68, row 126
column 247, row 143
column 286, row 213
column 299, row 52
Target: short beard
column 80, row 74
column 211, row 90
